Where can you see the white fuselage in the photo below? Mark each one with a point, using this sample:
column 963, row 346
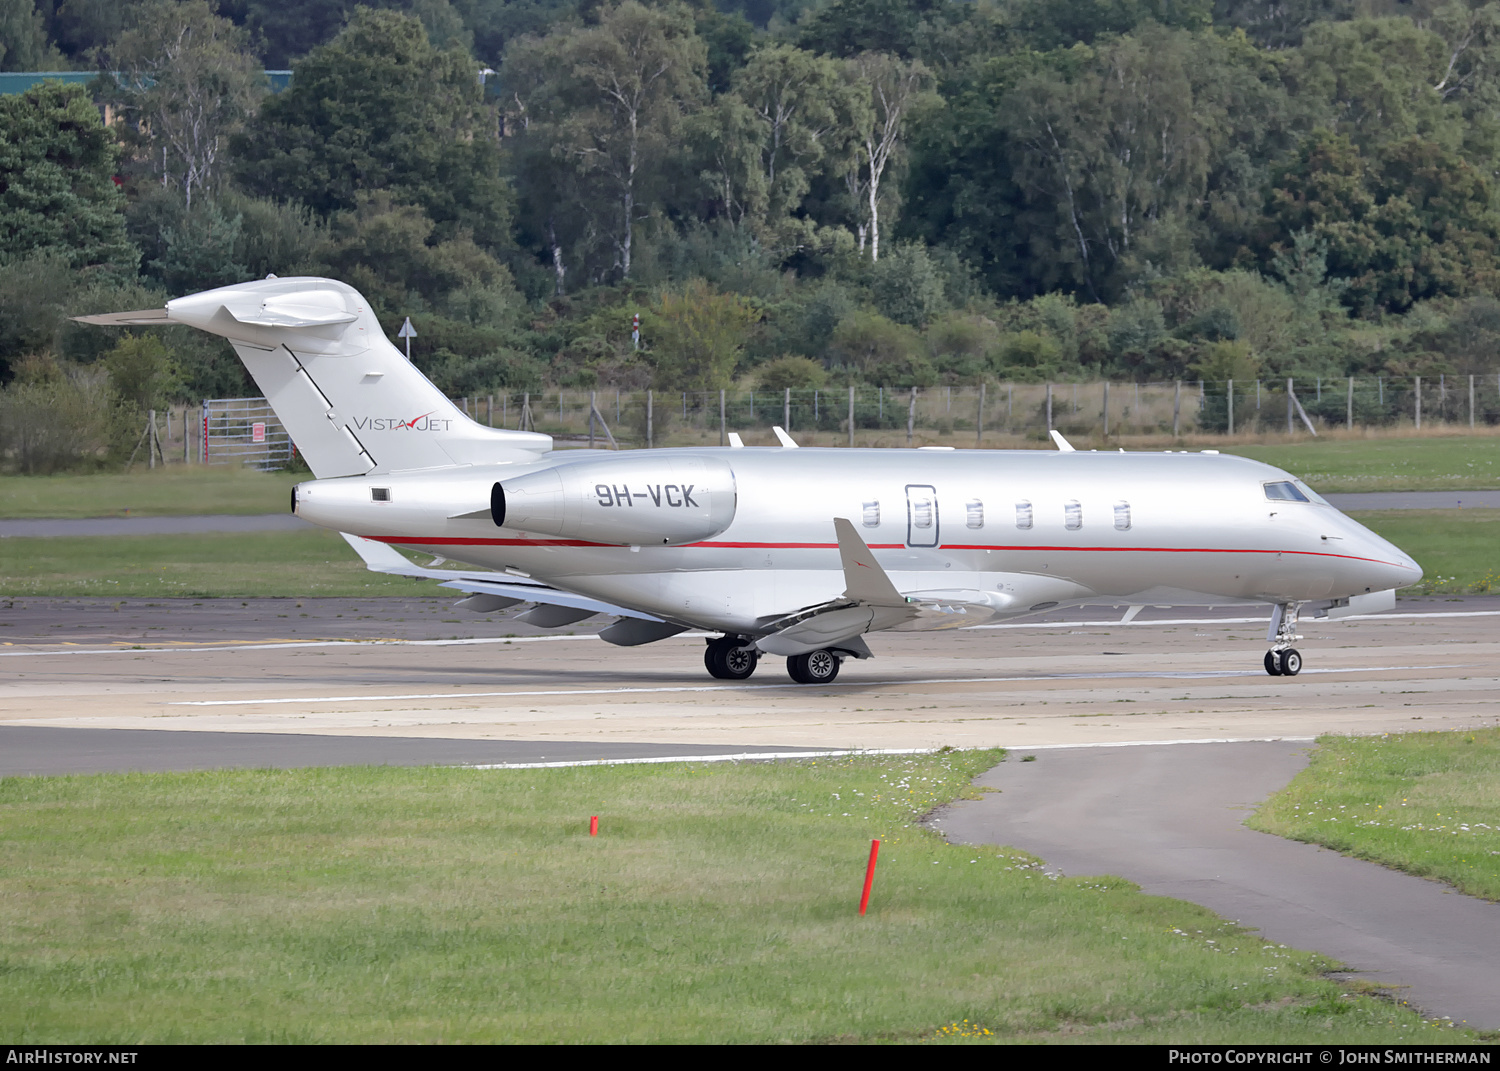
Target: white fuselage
column 995, row 533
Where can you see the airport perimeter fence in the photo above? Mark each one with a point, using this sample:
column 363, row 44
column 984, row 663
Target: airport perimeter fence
column 994, row 412
column 246, row 431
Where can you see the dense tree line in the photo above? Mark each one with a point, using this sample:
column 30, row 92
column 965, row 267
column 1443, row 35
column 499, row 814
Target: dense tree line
column 790, row 192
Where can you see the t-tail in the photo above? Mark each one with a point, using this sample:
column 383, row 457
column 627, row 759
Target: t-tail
column 350, row 400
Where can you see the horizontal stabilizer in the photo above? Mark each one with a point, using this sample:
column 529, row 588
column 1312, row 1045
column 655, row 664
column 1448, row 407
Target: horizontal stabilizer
column 143, row 318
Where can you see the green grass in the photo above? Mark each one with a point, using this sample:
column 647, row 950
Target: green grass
column 211, row 565
column 1426, row 803
column 1458, row 549
column 1395, row 464
column 171, row 491
column 718, row 904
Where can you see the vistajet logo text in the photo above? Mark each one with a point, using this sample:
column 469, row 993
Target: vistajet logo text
column 425, row 422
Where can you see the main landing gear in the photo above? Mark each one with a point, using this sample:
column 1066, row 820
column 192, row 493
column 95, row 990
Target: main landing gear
column 734, row 658
column 731, row 658
column 1283, row 660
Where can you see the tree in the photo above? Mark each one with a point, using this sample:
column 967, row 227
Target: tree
column 609, row 99
column 893, row 91
column 380, row 109
column 697, row 336
column 23, row 38
column 187, row 80
column 1415, row 221
column 57, row 190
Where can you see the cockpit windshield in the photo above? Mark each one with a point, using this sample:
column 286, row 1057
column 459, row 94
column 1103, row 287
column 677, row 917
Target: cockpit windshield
column 1293, row 491
column 1285, row 491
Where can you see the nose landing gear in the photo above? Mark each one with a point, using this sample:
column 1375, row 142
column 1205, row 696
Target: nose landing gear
column 1283, row 660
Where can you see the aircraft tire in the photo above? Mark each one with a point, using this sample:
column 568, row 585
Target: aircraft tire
column 728, row 659
column 1289, row 662
column 1273, row 666
column 815, row 667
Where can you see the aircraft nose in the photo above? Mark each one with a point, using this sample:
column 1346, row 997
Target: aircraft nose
column 1390, row 566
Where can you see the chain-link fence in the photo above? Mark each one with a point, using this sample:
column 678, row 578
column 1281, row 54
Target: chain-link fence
column 246, row 431
column 995, row 412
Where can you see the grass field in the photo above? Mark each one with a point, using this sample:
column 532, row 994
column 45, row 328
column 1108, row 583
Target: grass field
column 718, row 904
column 218, row 564
column 1458, row 549
column 1398, row 463
column 1426, row 803
column 171, row 491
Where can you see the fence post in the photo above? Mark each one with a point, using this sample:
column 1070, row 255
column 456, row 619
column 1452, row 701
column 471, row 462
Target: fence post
column 1049, row 408
column 979, row 420
column 1471, row 403
column 1230, row 396
column 1176, row 408
column 1349, row 405
column 851, row 418
column 911, row 417
column 1289, row 404
column 593, row 404
column 1419, row 402
column 723, row 426
column 786, row 409
column 650, row 420
column 1106, row 409
column 203, row 436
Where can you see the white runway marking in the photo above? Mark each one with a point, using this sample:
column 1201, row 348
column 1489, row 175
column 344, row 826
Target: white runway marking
column 1114, row 623
column 1038, row 678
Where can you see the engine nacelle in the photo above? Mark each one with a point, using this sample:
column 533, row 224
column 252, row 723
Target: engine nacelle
column 654, row 500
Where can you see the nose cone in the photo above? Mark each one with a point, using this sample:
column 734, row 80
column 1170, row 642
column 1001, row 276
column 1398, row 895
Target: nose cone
column 1385, row 564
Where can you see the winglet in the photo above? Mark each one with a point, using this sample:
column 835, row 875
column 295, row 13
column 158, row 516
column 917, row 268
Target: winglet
column 1062, row 444
column 783, row 438
column 866, row 581
column 735, row 441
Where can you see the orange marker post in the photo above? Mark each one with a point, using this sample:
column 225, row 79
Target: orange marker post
column 594, row 826
column 864, row 901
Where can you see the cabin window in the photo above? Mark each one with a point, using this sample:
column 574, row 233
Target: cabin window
column 921, row 512
column 871, row 515
column 1072, row 514
column 1122, row 515
column 974, row 513
column 1285, row 491
column 380, row 494
column 1023, row 514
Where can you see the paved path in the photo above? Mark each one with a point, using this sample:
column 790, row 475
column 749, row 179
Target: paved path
column 1169, row 817
column 1416, row 500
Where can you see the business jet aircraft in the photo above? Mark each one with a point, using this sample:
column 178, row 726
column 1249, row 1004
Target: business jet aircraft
column 790, row 552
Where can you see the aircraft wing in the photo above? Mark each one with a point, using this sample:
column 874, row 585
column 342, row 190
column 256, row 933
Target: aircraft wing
column 501, row 589
column 870, row 603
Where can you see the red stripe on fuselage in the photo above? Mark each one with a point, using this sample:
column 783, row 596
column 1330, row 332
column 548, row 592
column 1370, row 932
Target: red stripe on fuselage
column 453, row 542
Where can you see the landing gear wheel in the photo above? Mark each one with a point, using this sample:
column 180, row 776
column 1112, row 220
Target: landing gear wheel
column 730, row 659
column 1289, row 662
column 815, row 667
column 1273, row 665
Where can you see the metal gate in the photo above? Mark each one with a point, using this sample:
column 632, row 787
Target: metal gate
column 243, row 431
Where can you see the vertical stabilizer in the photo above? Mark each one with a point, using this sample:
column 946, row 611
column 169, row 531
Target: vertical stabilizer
column 350, row 400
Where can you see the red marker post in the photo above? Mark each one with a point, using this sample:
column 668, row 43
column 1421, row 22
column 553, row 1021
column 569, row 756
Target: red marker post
column 864, row 901
column 594, row 826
